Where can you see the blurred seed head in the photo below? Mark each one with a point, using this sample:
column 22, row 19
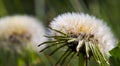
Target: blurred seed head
column 21, row 30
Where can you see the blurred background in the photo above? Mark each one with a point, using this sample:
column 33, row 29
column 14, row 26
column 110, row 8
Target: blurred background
column 46, row 10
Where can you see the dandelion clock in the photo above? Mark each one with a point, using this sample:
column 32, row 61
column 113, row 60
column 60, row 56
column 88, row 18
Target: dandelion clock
column 24, row 30
column 19, row 37
column 81, row 34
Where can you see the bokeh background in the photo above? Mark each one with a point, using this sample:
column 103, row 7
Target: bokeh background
column 46, row 10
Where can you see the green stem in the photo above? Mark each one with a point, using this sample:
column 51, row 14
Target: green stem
column 86, row 61
column 82, row 61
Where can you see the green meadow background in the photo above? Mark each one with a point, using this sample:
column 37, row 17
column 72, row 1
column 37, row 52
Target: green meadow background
column 45, row 11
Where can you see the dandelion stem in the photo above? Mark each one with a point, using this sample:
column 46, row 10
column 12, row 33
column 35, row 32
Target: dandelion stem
column 86, row 61
column 82, row 61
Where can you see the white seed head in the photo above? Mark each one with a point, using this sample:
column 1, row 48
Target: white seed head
column 76, row 23
column 22, row 30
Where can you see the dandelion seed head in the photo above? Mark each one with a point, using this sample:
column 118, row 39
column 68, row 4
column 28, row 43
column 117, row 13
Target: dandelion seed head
column 80, row 23
column 23, row 29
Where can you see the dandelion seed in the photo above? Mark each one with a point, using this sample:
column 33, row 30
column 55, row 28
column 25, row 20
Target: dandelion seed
column 84, row 34
column 19, row 30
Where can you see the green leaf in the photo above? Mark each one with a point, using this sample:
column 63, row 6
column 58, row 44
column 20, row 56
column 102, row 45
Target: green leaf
column 115, row 56
column 119, row 45
column 116, row 51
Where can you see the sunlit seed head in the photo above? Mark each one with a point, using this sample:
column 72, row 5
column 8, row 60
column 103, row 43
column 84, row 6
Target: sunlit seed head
column 85, row 27
column 20, row 29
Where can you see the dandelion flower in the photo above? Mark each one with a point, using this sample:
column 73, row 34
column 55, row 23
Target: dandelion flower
column 82, row 33
column 21, row 30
